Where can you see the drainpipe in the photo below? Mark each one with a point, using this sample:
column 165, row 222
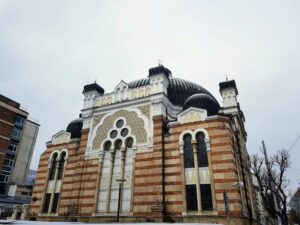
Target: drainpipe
column 164, row 132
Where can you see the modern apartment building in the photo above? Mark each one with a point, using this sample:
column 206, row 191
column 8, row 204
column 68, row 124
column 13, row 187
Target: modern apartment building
column 17, row 139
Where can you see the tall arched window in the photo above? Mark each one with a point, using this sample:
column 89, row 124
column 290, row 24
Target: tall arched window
column 205, row 189
column 53, row 166
column 53, row 163
column 197, row 188
column 61, row 165
column 56, row 171
column 188, row 151
column 117, row 164
column 201, row 150
column 190, row 189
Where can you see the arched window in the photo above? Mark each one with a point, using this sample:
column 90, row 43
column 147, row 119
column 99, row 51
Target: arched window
column 117, row 164
column 53, row 166
column 52, row 195
column 118, row 144
column 198, row 192
column 129, row 142
column 188, row 151
column 201, row 150
column 61, row 165
column 107, row 145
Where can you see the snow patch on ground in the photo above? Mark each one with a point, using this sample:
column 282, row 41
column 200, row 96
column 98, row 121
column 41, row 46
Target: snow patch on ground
column 71, row 223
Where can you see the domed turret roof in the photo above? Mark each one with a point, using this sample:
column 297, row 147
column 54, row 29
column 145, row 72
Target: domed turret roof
column 93, row 87
column 178, row 90
column 75, row 128
column 203, row 101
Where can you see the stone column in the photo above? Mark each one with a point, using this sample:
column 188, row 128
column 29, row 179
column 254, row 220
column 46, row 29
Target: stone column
column 132, row 177
column 15, row 212
column 24, row 211
column 109, row 182
column 101, row 157
column 123, row 157
column 197, row 175
column 54, row 185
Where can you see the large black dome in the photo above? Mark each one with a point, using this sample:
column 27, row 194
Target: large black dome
column 178, row 90
column 203, row 101
column 75, row 128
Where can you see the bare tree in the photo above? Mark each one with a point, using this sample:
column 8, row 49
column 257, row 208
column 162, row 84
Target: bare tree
column 270, row 174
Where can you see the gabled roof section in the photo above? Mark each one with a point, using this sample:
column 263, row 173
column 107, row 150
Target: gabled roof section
column 192, row 114
column 121, row 85
column 61, row 137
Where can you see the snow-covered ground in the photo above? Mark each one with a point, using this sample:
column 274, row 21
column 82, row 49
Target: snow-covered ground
column 70, row 223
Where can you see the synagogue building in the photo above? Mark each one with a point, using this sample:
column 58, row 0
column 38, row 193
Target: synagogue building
column 156, row 149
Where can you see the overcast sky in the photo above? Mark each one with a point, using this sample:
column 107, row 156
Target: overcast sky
column 50, row 49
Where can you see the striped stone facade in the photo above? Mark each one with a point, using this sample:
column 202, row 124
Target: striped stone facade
column 155, row 172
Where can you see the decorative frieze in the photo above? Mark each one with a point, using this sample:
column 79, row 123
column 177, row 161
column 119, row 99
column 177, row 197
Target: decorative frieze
column 97, row 119
column 145, row 109
column 123, row 93
column 192, row 115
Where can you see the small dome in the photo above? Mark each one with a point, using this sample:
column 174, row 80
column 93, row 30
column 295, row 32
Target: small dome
column 75, row 128
column 203, row 101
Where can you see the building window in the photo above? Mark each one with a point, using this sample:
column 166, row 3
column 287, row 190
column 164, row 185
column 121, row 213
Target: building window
column 107, row 145
column 129, row 142
column 124, row 132
column 201, row 150
column 12, row 147
column 188, row 151
column 8, row 162
column 47, row 202
column 61, row 165
column 19, row 121
column 191, row 199
column 118, row 144
column 120, row 123
column 113, row 134
column 3, row 178
column 206, row 198
column 25, row 193
column 7, row 165
column 55, row 203
column 198, row 192
column 56, row 171
column 53, row 166
column 16, row 133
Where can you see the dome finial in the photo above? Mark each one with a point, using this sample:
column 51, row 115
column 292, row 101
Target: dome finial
column 226, row 77
column 159, row 62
